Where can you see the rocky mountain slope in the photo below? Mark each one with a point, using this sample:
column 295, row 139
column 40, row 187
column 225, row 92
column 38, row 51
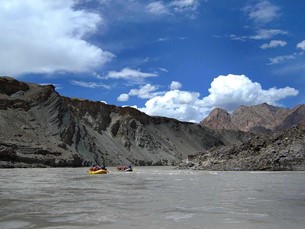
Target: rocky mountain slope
column 39, row 128
column 261, row 118
column 283, row 151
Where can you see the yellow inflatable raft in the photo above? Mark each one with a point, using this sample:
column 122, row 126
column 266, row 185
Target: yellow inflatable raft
column 101, row 171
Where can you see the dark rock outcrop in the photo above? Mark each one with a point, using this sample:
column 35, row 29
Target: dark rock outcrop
column 296, row 116
column 283, row 151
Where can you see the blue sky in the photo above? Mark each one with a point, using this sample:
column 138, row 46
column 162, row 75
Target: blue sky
column 174, row 58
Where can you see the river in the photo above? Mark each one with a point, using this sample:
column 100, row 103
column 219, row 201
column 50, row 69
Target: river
column 151, row 197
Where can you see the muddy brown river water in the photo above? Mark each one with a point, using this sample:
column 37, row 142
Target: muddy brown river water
column 151, row 197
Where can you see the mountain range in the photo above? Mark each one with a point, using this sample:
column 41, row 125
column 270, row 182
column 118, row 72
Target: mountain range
column 41, row 128
column 261, row 118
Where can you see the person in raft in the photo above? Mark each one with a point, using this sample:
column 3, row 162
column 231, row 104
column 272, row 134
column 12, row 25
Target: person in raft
column 93, row 168
column 129, row 169
column 97, row 167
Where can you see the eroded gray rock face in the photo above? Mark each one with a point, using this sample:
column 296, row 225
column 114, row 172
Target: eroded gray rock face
column 283, row 151
column 12, row 156
column 40, row 128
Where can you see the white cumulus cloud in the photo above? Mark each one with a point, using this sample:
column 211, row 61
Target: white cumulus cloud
column 182, row 105
column 143, row 92
column 175, row 85
column 44, row 36
column 131, row 75
column 301, row 45
column 231, row 91
column 188, row 7
column 273, row 44
column 264, row 34
column 227, row 92
column 123, row 97
column 157, row 7
column 281, row 59
column 263, row 12
column 89, row 84
column 128, row 73
column 181, row 5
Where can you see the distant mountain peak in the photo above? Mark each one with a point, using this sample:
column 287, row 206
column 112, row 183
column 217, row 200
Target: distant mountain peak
column 257, row 118
column 218, row 119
